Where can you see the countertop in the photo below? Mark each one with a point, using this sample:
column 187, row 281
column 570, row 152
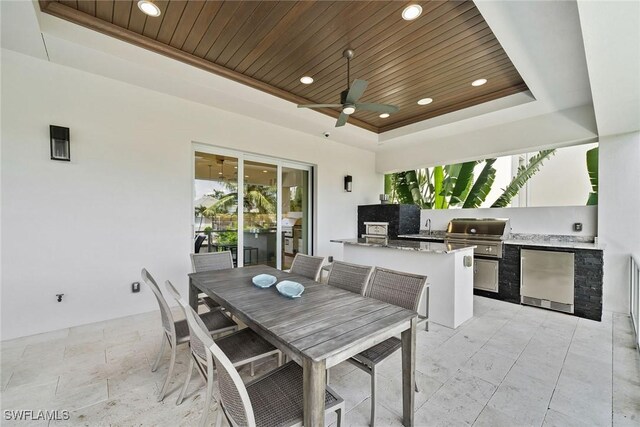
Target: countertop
column 431, row 247
column 548, row 241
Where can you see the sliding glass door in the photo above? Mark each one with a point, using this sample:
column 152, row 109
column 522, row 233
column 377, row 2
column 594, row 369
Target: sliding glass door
column 272, row 223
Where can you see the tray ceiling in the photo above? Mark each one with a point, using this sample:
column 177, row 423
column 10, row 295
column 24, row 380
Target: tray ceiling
column 270, row 45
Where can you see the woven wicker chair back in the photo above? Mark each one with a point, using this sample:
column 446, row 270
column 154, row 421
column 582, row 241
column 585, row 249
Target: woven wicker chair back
column 198, row 347
column 350, row 277
column 307, row 266
column 165, row 311
column 398, row 288
column 211, row 261
column 233, row 393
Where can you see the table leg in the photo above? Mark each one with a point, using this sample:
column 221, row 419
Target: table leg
column 314, row 385
column 193, row 295
column 408, row 373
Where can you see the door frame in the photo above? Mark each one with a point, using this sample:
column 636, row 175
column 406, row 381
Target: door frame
column 243, row 156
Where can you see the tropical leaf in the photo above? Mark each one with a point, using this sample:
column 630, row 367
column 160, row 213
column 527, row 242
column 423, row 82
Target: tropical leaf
column 463, row 182
column 388, row 184
column 451, row 173
column 412, row 181
column 439, row 201
column 522, row 176
column 402, row 190
column 481, row 188
column 592, row 169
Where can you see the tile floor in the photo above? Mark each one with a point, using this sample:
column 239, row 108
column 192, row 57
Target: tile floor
column 509, row 366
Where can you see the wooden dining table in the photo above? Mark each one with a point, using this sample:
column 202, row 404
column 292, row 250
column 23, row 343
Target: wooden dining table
column 322, row 328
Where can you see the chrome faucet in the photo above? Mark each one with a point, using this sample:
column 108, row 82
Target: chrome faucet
column 428, row 225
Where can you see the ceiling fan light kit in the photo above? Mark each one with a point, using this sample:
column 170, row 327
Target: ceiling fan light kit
column 350, row 96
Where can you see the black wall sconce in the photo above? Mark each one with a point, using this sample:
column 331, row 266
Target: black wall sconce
column 348, row 183
column 60, row 145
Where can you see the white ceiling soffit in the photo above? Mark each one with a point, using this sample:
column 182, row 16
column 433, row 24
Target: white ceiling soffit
column 544, row 42
column 20, row 30
column 611, row 32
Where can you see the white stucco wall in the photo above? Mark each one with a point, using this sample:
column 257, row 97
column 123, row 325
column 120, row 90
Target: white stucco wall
column 619, row 214
column 87, row 227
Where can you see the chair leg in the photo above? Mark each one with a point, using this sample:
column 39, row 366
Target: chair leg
column 279, row 358
column 373, row 396
column 328, row 370
column 186, row 382
column 163, row 343
column 219, row 417
column 252, row 365
column 172, row 363
column 207, row 403
column 339, row 416
column 416, row 387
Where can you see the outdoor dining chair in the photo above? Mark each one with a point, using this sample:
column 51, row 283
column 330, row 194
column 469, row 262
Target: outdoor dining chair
column 176, row 333
column 307, row 266
column 394, row 287
column 241, row 347
column 207, row 262
column 350, row 277
column 275, row 399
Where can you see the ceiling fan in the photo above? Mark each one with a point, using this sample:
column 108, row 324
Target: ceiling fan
column 349, row 97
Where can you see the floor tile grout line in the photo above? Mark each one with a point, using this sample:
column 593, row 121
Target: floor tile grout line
column 505, row 376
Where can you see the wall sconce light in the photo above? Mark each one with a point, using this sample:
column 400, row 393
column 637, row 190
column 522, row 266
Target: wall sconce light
column 348, row 183
column 60, row 146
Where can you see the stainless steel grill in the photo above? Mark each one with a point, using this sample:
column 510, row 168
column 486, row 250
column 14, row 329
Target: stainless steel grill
column 486, row 233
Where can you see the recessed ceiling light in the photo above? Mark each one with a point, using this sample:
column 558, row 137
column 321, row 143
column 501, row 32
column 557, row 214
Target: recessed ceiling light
column 425, row 101
column 349, row 109
column 148, row 7
column 246, row 176
column 235, row 167
column 306, row 80
column 479, row 82
column 219, row 173
column 384, row 115
column 411, row 12
column 264, row 171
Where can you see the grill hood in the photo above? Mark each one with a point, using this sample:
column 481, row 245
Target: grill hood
column 479, row 228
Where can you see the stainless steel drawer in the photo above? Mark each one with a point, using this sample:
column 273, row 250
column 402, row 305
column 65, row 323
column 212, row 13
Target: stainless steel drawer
column 485, row 274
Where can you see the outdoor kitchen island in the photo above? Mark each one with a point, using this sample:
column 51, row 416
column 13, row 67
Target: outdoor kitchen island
column 448, row 267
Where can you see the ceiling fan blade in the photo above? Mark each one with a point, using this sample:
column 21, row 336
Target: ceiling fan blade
column 320, row 106
column 355, row 91
column 342, row 119
column 378, row 108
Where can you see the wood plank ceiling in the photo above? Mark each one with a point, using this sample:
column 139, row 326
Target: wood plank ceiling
column 270, row 45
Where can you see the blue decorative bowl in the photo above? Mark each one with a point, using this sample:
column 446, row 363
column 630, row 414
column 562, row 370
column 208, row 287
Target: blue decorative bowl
column 290, row 289
column 264, row 280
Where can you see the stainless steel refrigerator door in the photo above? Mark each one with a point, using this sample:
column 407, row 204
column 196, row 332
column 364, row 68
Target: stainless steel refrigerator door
column 547, row 275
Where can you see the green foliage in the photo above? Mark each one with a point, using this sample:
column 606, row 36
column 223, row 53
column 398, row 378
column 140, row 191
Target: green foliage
column 481, row 188
column 444, row 187
column 524, row 174
column 592, row 169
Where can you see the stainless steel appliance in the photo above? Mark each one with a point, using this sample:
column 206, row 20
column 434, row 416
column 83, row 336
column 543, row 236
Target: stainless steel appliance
column 547, row 279
column 291, row 233
column 376, row 232
column 487, row 234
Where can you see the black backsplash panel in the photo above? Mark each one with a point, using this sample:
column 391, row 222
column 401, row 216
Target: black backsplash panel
column 402, row 219
column 588, row 277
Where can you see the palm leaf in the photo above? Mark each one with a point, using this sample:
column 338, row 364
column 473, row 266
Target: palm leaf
column 481, row 188
column 592, row 169
column 402, row 190
column 463, row 182
column 521, row 178
column 439, row 201
column 451, row 173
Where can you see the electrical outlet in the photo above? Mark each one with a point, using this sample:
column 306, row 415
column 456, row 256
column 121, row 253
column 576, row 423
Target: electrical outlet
column 135, row 287
column 577, row 226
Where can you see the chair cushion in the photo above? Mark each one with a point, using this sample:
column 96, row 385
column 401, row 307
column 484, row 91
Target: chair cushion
column 277, row 398
column 379, row 352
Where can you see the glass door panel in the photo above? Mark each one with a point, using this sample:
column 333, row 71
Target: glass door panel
column 295, row 214
column 216, row 203
column 260, row 213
